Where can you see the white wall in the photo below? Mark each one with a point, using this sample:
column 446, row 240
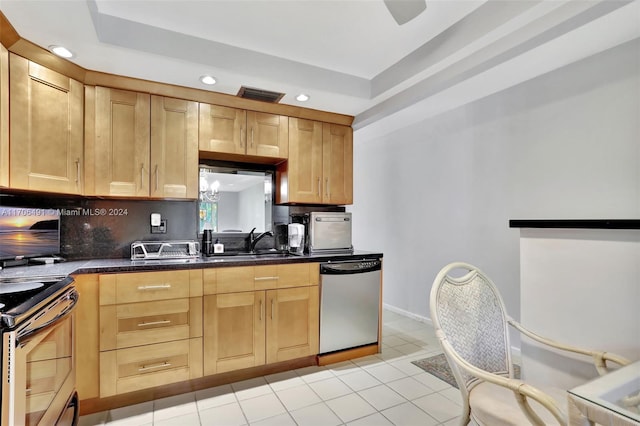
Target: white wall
column 564, row 145
column 580, row 287
column 251, row 211
column 228, row 211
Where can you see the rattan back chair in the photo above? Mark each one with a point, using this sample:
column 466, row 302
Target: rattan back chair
column 471, row 322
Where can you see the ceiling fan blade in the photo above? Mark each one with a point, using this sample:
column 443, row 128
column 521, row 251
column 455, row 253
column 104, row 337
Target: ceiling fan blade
column 405, row 10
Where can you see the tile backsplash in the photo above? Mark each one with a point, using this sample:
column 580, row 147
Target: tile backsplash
column 99, row 228
column 93, row 228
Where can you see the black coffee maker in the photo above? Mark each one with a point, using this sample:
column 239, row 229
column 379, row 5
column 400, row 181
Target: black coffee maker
column 281, row 237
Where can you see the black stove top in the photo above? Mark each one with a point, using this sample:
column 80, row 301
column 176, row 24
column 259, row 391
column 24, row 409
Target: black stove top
column 19, row 298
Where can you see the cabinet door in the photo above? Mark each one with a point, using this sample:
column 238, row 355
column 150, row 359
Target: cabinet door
column 222, row 129
column 121, row 163
column 305, row 161
column 4, row 116
column 174, row 148
column 293, row 329
column 234, row 331
column 337, row 164
column 46, row 129
column 267, row 135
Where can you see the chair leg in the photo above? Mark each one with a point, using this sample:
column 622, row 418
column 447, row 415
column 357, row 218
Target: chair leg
column 465, row 419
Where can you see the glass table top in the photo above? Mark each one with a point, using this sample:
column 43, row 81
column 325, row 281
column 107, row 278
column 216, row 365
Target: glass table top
column 618, row 391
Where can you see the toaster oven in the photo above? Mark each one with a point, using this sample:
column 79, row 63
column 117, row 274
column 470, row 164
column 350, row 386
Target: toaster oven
column 329, row 232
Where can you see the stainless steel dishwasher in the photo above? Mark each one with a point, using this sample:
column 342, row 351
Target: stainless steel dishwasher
column 349, row 304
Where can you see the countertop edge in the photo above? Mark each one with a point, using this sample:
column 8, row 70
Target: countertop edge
column 576, row 223
column 103, row 266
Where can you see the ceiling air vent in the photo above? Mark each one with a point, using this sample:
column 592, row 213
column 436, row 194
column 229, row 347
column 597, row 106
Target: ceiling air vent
column 260, row 95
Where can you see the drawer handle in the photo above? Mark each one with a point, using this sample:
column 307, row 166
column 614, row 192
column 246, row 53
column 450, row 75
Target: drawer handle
column 146, row 324
column 154, row 366
column 265, row 278
column 154, row 287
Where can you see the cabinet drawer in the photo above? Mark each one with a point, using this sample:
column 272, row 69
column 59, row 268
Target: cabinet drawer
column 132, row 369
column 262, row 277
column 143, row 287
column 228, row 280
column 298, row 275
column 136, row 324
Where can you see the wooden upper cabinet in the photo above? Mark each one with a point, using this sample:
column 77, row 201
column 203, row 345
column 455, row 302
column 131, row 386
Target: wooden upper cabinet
column 4, row 116
column 222, row 129
column 174, row 148
column 46, row 145
column 337, row 164
column 238, row 132
column 267, row 135
column 304, row 167
column 320, row 165
column 119, row 155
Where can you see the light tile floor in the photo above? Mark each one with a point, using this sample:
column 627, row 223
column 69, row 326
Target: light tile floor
column 382, row 389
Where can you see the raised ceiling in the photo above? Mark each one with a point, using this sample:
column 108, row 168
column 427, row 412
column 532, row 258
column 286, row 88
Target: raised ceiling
column 350, row 56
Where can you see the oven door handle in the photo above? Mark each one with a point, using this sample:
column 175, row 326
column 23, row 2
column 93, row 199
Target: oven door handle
column 64, row 307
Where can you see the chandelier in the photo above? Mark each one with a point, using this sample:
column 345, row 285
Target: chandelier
column 209, row 193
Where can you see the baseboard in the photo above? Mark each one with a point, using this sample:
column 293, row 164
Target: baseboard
column 407, row 314
column 515, row 351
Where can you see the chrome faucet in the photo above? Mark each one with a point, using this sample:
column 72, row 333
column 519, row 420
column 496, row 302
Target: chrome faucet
column 253, row 240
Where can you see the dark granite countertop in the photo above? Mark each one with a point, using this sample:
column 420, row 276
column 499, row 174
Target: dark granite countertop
column 95, row 266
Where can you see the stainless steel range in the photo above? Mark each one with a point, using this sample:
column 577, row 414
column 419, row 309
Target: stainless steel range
column 38, row 366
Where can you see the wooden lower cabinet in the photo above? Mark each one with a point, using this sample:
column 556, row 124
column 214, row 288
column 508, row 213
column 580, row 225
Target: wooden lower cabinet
column 150, row 329
column 257, row 315
column 233, row 329
column 248, row 329
column 137, row 324
column 292, row 323
column 148, row 366
column 87, row 317
column 142, row 331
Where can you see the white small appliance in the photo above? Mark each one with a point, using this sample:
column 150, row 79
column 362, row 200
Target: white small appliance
column 296, row 238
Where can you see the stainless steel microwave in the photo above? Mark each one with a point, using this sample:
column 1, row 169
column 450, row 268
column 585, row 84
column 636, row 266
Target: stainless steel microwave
column 329, row 231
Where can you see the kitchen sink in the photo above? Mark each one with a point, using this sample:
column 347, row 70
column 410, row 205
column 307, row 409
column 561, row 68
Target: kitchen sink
column 260, row 254
column 271, row 253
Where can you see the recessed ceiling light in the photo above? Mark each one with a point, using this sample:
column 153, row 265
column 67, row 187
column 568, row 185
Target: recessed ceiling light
column 61, row 51
column 207, row 79
column 302, row 97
